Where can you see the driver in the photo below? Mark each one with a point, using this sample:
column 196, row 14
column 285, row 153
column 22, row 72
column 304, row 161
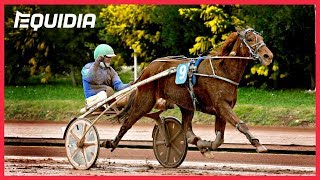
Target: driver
column 99, row 79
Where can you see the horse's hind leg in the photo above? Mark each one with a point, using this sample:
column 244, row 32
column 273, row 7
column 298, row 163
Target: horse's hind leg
column 187, row 116
column 227, row 114
column 143, row 103
column 220, row 126
column 205, row 147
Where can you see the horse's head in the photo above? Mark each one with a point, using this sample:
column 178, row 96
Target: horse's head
column 255, row 45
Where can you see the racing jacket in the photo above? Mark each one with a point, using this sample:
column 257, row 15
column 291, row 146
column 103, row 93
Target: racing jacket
column 96, row 78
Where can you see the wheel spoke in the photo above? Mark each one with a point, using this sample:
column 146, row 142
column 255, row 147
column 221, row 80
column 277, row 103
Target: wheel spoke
column 167, row 155
column 75, row 152
column 167, row 129
column 176, row 149
column 74, row 136
column 161, row 133
column 90, row 143
column 176, row 135
column 85, row 157
column 160, row 143
column 84, row 128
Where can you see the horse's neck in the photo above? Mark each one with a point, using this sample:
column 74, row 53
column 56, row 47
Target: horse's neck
column 233, row 68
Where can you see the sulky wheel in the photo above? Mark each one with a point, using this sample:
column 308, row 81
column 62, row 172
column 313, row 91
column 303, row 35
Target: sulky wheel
column 82, row 155
column 170, row 154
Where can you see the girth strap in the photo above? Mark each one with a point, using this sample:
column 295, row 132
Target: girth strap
column 193, row 65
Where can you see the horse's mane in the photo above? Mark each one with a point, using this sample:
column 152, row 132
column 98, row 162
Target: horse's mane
column 229, row 45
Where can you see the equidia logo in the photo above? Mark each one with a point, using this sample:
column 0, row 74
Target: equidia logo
column 38, row 20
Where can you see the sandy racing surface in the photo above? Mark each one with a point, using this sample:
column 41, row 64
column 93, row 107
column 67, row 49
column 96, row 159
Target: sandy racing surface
column 44, row 166
column 51, row 160
column 133, row 162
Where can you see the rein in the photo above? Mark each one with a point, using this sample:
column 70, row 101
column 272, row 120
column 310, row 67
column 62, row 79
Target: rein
column 253, row 52
column 213, row 75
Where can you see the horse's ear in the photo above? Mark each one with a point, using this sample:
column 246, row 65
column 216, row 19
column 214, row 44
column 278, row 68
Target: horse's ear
column 238, row 29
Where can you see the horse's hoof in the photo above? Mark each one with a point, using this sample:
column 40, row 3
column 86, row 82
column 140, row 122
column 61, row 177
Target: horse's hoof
column 261, row 149
column 107, row 144
column 208, row 154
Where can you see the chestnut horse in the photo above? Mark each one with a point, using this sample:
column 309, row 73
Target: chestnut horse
column 215, row 96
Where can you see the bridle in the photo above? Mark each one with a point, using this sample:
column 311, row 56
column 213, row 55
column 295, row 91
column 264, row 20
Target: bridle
column 253, row 51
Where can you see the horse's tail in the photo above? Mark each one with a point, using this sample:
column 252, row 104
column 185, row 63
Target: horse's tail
column 125, row 112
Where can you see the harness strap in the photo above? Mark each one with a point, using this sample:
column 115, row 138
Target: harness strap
column 192, row 69
column 192, row 73
column 218, row 77
column 195, row 102
column 214, row 75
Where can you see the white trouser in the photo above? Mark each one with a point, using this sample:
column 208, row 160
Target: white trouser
column 92, row 100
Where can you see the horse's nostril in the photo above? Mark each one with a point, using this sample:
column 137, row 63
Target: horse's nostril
column 271, row 56
column 266, row 56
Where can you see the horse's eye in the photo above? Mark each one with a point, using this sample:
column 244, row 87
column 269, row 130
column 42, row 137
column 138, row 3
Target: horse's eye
column 250, row 39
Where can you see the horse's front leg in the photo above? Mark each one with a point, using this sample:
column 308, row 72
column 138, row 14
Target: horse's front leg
column 226, row 112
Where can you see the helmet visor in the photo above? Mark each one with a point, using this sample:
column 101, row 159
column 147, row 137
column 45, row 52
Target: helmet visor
column 110, row 55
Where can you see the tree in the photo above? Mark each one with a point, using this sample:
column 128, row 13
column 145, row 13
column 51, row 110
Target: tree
column 219, row 19
column 156, row 31
column 289, row 31
column 177, row 33
column 72, row 47
column 46, row 52
column 25, row 49
column 129, row 27
column 150, row 31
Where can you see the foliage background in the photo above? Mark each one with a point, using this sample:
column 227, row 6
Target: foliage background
column 33, row 57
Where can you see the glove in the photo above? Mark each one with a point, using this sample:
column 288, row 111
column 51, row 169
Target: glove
column 100, row 58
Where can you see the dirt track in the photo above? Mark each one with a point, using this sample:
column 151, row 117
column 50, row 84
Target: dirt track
column 51, row 160
column 142, row 162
